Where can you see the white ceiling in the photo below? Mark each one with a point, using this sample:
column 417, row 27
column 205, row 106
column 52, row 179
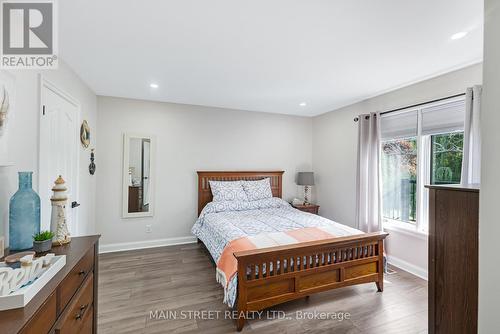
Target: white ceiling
column 265, row 55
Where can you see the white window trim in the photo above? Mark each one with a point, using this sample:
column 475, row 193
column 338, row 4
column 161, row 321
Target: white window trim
column 421, row 227
column 404, row 228
column 423, row 178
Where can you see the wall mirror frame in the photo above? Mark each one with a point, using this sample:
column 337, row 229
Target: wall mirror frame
column 138, row 175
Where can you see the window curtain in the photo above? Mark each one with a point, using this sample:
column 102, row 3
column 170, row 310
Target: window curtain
column 368, row 203
column 471, row 162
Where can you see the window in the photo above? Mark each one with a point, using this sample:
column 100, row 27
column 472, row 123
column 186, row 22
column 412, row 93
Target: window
column 446, row 158
column 399, row 179
column 418, row 147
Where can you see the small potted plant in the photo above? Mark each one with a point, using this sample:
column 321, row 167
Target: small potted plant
column 42, row 242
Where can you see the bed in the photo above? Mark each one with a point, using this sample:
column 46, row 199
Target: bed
column 338, row 256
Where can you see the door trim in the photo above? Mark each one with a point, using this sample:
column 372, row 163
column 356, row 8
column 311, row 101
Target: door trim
column 44, row 83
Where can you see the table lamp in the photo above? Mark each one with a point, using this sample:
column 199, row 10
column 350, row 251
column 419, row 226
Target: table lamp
column 305, row 179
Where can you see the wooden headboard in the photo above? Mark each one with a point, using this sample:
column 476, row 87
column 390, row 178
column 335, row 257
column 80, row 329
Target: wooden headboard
column 205, row 193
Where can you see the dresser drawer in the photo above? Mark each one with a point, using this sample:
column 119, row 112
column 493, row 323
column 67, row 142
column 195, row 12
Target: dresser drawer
column 311, row 210
column 308, row 208
column 43, row 319
column 78, row 317
column 75, row 278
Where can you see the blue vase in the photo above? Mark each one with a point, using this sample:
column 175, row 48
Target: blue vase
column 24, row 215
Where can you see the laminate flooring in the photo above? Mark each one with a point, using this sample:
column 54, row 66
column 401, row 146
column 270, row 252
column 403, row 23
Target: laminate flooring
column 173, row 290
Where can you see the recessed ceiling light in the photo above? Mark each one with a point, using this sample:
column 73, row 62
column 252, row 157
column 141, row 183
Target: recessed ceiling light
column 153, row 85
column 303, row 104
column 459, row 35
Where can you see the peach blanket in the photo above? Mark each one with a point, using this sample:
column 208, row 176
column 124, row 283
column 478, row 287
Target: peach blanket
column 227, row 265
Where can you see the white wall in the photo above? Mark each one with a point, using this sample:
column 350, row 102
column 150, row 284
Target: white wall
column 24, row 134
column 189, row 138
column 335, row 153
column 489, row 227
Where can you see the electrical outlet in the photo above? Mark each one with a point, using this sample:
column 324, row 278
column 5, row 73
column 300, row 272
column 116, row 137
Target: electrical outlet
column 149, row 229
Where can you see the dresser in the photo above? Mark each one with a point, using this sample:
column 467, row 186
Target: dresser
column 134, row 199
column 68, row 303
column 453, row 259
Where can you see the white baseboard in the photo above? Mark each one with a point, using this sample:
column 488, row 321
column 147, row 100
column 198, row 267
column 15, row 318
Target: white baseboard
column 407, row 266
column 124, row 246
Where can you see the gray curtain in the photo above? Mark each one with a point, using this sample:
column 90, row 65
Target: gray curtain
column 368, row 203
column 471, row 163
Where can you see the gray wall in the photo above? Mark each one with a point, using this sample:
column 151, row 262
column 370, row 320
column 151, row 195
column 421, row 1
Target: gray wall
column 189, row 138
column 335, row 152
column 489, row 227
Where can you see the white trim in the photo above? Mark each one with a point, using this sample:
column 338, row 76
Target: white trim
column 409, row 231
column 406, row 266
column 124, row 246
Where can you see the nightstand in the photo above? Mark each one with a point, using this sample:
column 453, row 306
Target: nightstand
column 311, row 208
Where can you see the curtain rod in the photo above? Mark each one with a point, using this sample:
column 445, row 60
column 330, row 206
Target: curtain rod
column 416, row 105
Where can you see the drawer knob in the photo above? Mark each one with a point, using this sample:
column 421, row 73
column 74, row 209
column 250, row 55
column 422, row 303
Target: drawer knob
column 82, row 312
column 81, row 272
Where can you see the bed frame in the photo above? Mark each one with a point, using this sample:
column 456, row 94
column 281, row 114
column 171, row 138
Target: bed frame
column 310, row 267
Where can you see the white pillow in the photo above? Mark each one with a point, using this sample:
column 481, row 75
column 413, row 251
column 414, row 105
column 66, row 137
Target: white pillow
column 256, row 190
column 227, row 191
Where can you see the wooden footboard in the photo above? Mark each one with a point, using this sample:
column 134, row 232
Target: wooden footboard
column 271, row 276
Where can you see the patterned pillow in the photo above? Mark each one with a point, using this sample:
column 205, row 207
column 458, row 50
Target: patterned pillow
column 227, row 191
column 256, row 190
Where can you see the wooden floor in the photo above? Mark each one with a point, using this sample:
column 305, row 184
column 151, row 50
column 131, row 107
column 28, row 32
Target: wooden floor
column 181, row 278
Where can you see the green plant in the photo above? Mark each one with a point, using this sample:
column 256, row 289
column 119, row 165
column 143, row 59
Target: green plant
column 44, row 235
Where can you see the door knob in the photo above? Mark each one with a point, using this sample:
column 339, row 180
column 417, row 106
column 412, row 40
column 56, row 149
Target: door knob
column 74, row 204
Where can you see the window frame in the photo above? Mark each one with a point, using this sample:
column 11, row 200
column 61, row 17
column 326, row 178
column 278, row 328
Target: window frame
column 424, row 166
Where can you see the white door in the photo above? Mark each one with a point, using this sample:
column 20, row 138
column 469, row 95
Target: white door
column 59, row 145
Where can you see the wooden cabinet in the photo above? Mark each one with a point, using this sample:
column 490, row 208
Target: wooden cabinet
column 68, row 302
column 311, row 208
column 134, row 199
column 44, row 318
column 453, row 259
column 78, row 318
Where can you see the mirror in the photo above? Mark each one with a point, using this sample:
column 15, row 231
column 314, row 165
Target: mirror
column 137, row 176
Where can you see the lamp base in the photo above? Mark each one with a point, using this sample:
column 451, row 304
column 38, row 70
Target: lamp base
column 306, row 195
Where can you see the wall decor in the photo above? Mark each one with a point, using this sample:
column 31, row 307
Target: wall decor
column 7, row 107
column 24, row 215
column 92, row 164
column 138, row 175
column 58, row 224
column 4, row 107
column 85, row 134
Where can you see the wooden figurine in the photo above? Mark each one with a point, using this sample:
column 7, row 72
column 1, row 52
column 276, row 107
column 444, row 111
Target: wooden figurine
column 58, row 223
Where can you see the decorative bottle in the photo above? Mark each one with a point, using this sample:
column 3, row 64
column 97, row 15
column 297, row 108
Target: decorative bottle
column 24, row 214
